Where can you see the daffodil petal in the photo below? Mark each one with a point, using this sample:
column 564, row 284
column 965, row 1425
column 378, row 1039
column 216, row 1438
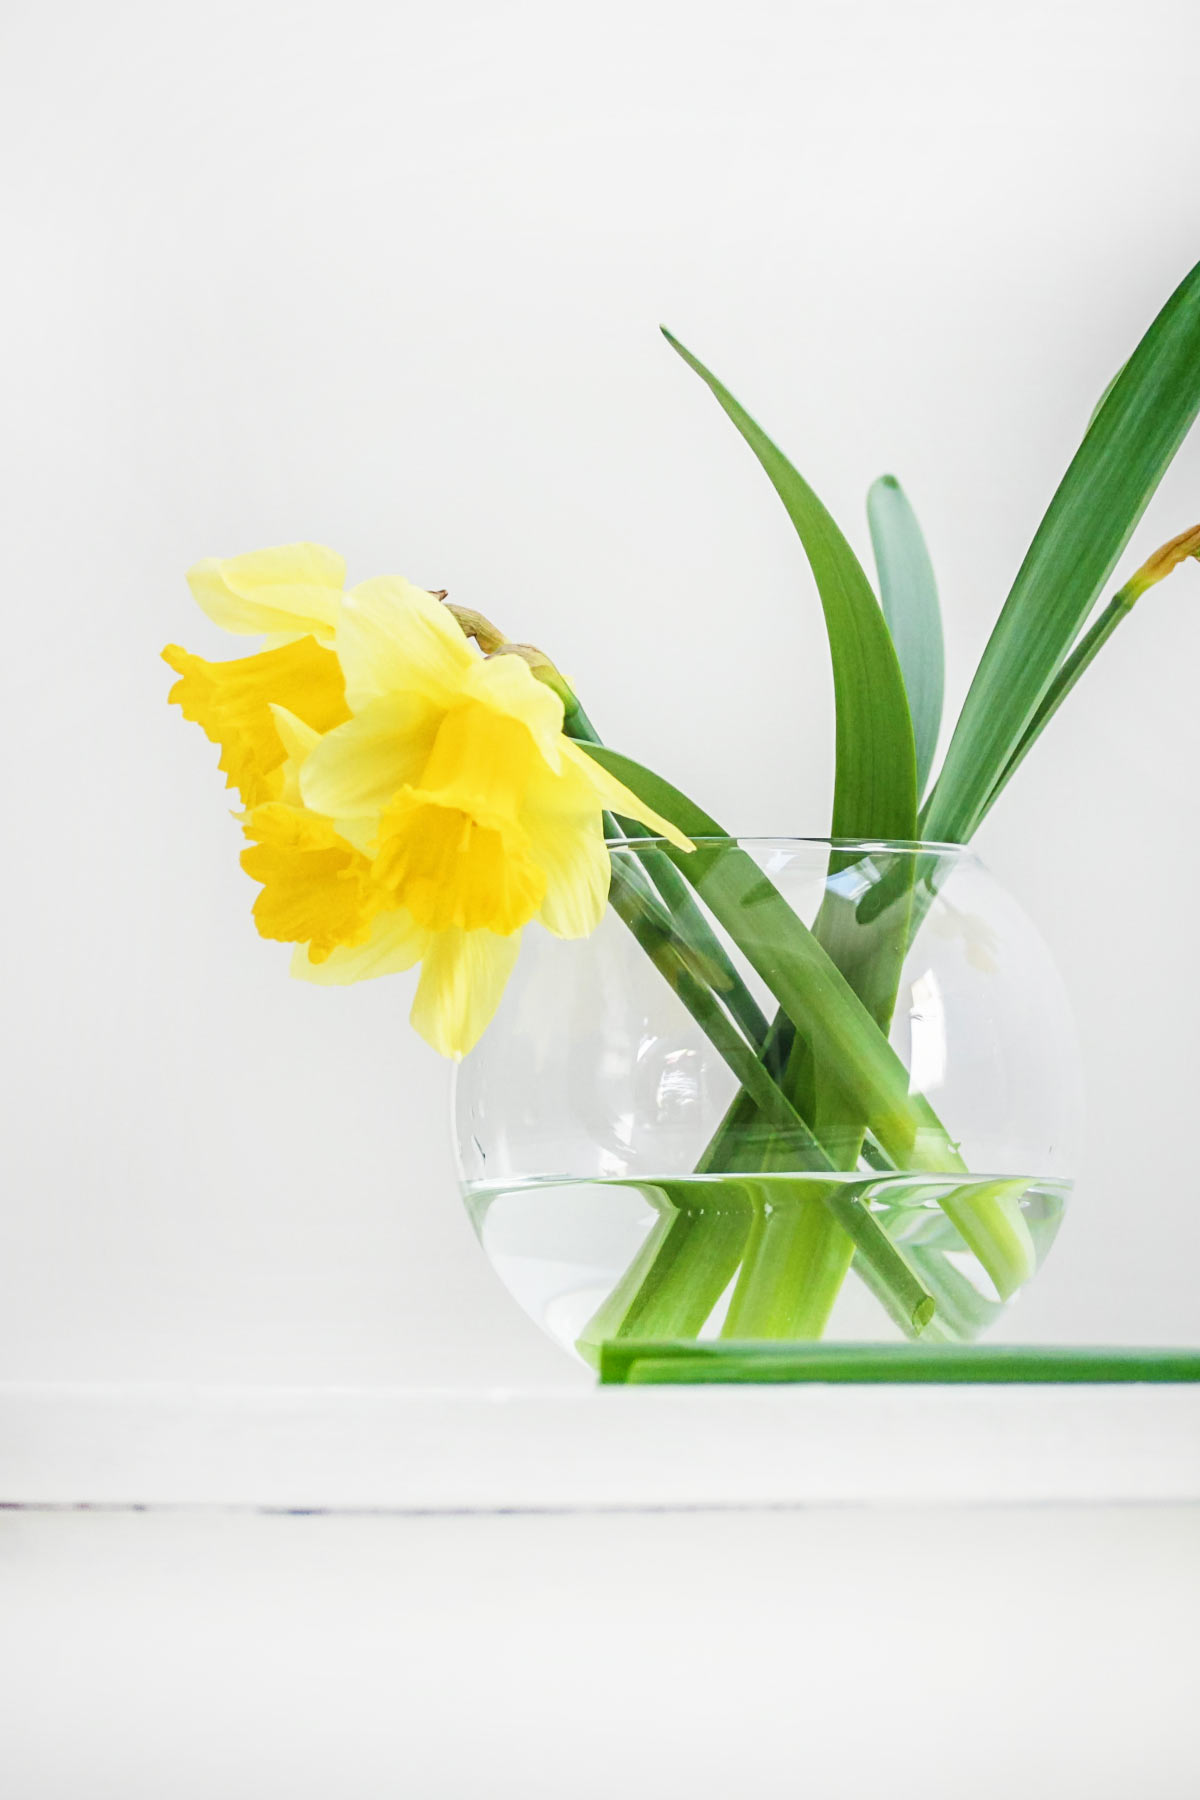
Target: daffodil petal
column 316, row 888
column 562, row 818
column 453, row 871
column 614, row 795
column 578, row 876
column 394, row 638
column 508, row 685
column 231, row 702
column 484, row 762
column 359, row 832
column 297, row 739
column 396, row 943
column 290, row 591
column 463, row 976
column 356, row 770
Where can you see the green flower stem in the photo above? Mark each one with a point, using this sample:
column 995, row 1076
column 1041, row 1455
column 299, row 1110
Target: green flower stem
column 652, row 929
column 869, row 954
column 869, row 957
column 605, row 1323
column 793, row 965
column 818, row 1000
column 735, row 1145
column 878, row 1089
column 795, row 1262
column 961, row 1312
column 791, row 1267
column 783, row 1139
column 1085, row 651
column 675, row 1281
column 896, row 1281
column 686, row 1363
column 688, row 918
column 990, row 1222
column 695, row 929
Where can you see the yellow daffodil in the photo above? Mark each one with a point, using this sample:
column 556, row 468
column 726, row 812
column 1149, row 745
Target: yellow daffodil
column 232, row 701
column 291, row 595
column 289, row 592
column 408, row 800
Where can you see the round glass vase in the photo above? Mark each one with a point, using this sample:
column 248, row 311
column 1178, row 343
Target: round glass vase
column 791, row 1088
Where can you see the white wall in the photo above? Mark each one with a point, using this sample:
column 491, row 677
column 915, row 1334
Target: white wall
column 388, row 276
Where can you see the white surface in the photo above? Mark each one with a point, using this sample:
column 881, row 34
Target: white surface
column 921, row 1655
column 612, row 1448
column 389, row 275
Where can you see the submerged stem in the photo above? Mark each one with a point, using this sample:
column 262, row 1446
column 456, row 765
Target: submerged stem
column 672, row 1286
column 796, row 1260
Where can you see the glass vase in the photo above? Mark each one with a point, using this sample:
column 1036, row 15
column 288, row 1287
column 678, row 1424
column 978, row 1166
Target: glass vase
column 791, row 1088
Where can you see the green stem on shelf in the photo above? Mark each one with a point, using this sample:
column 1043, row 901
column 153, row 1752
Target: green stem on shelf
column 679, row 1363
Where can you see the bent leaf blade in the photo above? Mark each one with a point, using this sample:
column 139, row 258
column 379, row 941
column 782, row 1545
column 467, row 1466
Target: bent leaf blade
column 910, row 605
column 875, row 786
column 1125, row 452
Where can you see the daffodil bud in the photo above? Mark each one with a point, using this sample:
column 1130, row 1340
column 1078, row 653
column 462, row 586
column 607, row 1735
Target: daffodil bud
column 492, row 642
column 473, row 624
column 1161, row 563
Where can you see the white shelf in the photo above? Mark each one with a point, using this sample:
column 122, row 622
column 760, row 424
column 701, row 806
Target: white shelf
column 579, row 1450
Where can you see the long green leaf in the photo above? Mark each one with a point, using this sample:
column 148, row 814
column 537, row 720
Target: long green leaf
column 688, row 1361
column 910, row 606
column 875, row 787
column 1123, row 457
column 807, row 984
column 1081, row 658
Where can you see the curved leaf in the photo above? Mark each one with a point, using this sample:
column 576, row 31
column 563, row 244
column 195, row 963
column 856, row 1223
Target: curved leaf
column 1124, row 454
column 910, row 606
column 875, row 788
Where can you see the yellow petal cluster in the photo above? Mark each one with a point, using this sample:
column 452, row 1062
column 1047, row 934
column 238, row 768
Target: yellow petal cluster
column 232, row 703
column 407, row 799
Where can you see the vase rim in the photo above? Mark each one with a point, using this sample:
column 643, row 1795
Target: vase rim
column 793, row 840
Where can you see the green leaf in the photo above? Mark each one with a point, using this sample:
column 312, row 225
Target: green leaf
column 808, row 985
column 719, row 1361
column 1107, row 391
column 910, row 606
column 1084, row 653
column 875, row 787
column 1123, row 457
